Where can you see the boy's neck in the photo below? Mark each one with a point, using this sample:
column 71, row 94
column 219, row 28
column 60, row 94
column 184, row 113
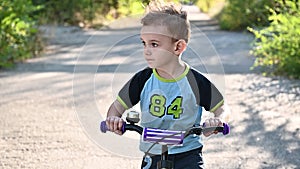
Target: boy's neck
column 172, row 72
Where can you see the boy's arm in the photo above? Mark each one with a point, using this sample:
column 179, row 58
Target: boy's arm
column 222, row 113
column 113, row 119
column 128, row 96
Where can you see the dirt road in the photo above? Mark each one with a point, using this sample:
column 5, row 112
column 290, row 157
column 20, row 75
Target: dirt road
column 50, row 107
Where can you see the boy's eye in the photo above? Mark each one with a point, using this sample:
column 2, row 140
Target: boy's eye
column 154, row 44
column 143, row 42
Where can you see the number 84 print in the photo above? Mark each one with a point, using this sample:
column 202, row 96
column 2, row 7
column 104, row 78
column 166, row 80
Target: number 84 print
column 158, row 106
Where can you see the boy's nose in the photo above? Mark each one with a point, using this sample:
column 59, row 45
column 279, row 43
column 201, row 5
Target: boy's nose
column 147, row 51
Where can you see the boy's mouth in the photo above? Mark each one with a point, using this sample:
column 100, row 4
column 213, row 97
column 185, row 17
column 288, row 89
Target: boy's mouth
column 149, row 60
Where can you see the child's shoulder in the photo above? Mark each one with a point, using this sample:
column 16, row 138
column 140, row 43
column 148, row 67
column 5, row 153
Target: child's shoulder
column 143, row 74
column 198, row 76
column 145, row 71
column 196, row 73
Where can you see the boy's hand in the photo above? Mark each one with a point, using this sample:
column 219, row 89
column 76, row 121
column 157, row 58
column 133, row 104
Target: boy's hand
column 114, row 124
column 212, row 122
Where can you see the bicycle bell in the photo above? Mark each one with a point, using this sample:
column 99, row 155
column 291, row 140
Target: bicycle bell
column 133, row 117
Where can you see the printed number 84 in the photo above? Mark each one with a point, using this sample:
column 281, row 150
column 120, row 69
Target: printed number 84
column 158, row 106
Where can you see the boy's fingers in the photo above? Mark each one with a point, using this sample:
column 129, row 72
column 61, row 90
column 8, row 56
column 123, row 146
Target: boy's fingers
column 110, row 123
column 114, row 124
column 118, row 132
column 120, row 124
column 211, row 123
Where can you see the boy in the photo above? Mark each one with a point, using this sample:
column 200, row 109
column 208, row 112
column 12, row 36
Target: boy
column 170, row 92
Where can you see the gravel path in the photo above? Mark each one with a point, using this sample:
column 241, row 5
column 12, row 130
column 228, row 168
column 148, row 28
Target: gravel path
column 41, row 126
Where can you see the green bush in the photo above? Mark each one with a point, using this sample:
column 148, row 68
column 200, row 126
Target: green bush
column 121, row 8
column 277, row 47
column 18, row 32
column 206, row 5
column 129, row 7
column 70, row 12
column 73, row 12
column 239, row 14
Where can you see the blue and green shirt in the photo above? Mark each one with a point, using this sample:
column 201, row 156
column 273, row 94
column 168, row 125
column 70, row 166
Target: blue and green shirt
column 171, row 104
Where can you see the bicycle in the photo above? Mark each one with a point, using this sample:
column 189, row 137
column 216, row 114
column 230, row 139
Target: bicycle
column 163, row 137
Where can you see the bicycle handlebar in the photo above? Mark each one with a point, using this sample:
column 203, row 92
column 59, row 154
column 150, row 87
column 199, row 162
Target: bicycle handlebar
column 165, row 137
column 125, row 127
column 225, row 129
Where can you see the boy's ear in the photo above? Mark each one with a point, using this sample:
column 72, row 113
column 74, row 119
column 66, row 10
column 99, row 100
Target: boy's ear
column 180, row 46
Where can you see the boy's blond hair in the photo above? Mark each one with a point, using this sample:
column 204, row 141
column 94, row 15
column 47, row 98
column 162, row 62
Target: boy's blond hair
column 169, row 15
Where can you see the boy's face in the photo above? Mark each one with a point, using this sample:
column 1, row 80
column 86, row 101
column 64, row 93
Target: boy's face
column 159, row 46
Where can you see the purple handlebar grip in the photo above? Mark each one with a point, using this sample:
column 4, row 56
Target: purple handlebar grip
column 123, row 127
column 226, row 129
column 104, row 129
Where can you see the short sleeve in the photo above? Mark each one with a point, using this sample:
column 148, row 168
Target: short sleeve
column 130, row 93
column 206, row 93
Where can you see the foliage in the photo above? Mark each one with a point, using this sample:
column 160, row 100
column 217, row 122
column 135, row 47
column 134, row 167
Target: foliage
column 206, row 5
column 73, row 12
column 277, row 47
column 70, row 12
column 239, row 14
column 18, row 32
column 188, row 2
column 133, row 7
column 130, row 7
